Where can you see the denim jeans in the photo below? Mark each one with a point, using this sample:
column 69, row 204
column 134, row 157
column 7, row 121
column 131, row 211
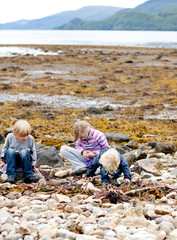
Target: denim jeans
column 15, row 160
column 105, row 176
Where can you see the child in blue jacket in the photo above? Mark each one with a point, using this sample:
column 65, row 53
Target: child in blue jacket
column 111, row 163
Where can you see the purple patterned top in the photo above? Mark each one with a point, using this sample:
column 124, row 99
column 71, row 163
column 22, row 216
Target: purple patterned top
column 95, row 141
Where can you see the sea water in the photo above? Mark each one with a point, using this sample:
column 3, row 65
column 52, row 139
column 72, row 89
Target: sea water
column 167, row 39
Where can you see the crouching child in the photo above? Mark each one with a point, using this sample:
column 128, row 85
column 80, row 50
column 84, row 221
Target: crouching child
column 19, row 152
column 112, row 165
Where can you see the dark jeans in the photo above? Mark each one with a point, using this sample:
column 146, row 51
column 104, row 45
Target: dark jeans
column 105, row 176
column 15, row 160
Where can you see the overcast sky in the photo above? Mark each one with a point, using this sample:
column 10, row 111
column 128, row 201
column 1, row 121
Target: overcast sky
column 13, row 10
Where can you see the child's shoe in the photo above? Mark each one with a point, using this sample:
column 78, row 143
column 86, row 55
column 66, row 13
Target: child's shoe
column 31, row 179
column 11, row 179
column 80, row 171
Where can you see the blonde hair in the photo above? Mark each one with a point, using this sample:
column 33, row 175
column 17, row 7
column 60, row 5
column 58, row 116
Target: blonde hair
column 80, row 127
column 110, row 160
column 22, row 128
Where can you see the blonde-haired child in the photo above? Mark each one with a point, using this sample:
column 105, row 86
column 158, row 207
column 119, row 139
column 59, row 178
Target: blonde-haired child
column 89, row 143
column 21, row 128
column 110, row 160
column 80, row 130
column 19, row 151
column 112, row 164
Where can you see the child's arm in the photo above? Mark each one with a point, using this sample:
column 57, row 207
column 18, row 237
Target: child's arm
column 6, row 146
column 33, row 154
column 125, row 169
column 79, row 146
column 34, row 157
column 93, row 167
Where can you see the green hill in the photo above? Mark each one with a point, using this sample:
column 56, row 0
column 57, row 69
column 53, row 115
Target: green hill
column 155, row 6
column 129, row 20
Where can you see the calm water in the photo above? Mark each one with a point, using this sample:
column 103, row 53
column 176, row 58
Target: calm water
column 106, row 38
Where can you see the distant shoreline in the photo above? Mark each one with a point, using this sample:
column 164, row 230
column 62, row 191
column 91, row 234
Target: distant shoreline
column 85, row 46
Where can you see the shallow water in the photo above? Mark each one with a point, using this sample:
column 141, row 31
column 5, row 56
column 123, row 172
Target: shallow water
column 164, row 115
column 67, row 101
column 14, row 51
column 59, row 102
column 64, row 101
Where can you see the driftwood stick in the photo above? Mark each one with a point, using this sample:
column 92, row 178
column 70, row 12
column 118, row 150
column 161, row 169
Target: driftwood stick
column 135, row 191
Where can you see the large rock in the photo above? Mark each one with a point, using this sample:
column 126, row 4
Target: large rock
column 152, row 144
column 132, row 145
column 165, row 147
column 133, row 156
column 117, row 137
column 94, row 110
column 48, row 156
column 163, row 209
column 129, row 157
column 134, row 221
column 174, row 172
column 151, row 165
column 121, row 150
column 173, row 235
column 65, row 234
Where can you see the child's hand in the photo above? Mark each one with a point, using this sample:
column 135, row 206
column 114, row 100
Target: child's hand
column 88, row 154
column 91, row 154
column 2, row 164
column 126, row 181
column 36, row 170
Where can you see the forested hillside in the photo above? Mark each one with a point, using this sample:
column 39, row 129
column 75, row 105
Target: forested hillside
column 165, row 20
column 156, row 5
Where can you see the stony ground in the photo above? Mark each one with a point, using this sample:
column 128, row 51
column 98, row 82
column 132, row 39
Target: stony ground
column 63, row 206
column 126, row 90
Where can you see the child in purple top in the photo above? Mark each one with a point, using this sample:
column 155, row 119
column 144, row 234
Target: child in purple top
column 89, row 142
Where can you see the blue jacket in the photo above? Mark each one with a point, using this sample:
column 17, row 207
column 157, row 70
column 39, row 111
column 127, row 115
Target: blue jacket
column 123, row 168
